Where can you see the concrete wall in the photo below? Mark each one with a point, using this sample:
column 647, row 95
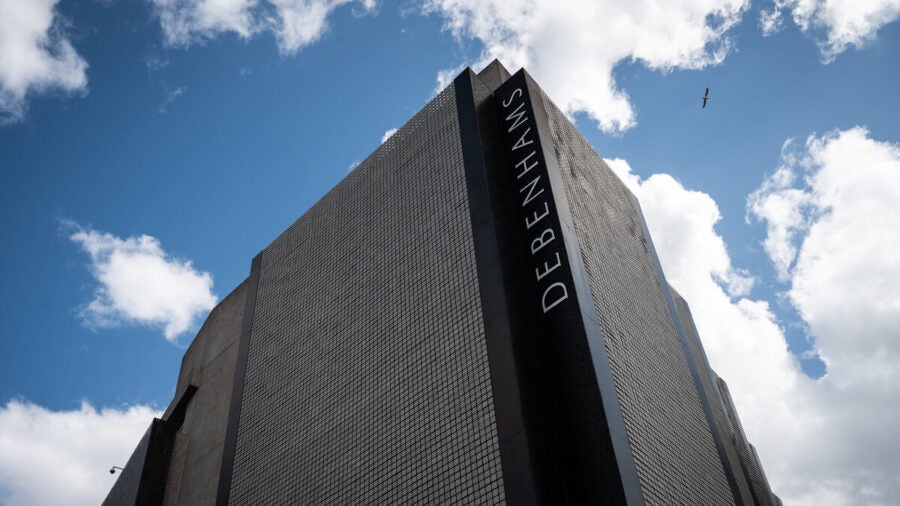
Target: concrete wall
column 125, row 490
column 209, row 364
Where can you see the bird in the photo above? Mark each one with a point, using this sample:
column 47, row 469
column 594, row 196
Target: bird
column 705, row 98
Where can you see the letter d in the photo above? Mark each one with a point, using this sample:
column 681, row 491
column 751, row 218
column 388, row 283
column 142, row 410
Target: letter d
column 564, row 296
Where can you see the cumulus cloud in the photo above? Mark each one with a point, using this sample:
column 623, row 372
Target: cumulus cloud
column 188, row 21
column 294, row 23
column 63, row 457
column 139, row 283
column 843, row 251
column 784, row 207
column 446, row 76
column 387, row 135
column 573, row 46
column 689, row 219
column 826, row 441
column 35, row 56
column 837, row 24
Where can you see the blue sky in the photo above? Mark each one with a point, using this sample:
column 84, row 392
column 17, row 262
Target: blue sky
column 212, row 134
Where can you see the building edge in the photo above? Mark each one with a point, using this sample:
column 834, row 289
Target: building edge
column 531, row 446
column 577, row 435
column 698, row 370
column 237, row 394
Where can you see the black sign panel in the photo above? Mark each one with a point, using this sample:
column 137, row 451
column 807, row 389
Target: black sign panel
column 573, row 408
column 539, row 224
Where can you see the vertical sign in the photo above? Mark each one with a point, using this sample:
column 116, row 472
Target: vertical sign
column 539, row 222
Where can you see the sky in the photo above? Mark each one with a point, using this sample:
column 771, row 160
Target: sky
column 150, row 148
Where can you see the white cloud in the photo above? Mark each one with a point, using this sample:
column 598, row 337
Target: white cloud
column 826, row 441
column 689, row 218
column 35, row 56
column 189, row 21
column 573, row 46
column 140, row 283
column 446, row 76
column 839, row 24
column 784, row 208
column 845, row 270
column 63, row 457
column 156, row 63
column 770, row 21
column 301, row 22
column 171, row 95
column 294, row 23
column 387, row 135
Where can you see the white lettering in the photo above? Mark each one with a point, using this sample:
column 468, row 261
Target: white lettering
column 519, row 114
column 521, row 142
column 524, row 163
column 547, row 269
column 529, row 224
column 531, row 193
column 516, row 93
column 542, row 241
column 564, row 296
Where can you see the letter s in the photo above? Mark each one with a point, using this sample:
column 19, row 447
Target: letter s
column 516, row 92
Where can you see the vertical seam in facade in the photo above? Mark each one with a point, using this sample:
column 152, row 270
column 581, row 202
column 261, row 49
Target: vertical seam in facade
column 692, row 366
column 493, row 304
column 229, row 450
column 593, row 332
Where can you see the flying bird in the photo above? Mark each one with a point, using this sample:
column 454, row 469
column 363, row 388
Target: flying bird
column 705, row 98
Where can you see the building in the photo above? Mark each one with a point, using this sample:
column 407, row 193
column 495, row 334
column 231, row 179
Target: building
column 476, row 314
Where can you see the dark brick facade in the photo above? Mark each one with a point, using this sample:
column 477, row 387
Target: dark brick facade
column 367, row 377
column 719, row 418
column 673, row 448
column 396, row 344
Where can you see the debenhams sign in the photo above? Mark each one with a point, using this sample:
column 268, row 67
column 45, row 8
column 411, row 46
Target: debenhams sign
column 539, row 223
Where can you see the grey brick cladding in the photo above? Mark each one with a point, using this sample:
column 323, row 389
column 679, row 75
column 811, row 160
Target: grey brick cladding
column 367, row 378
column 720, row 418
column 756, row 478
column 760, row 482
column 392, row 345
column 674, row 452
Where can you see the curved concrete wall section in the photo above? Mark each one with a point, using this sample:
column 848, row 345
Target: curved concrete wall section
column 210, row 364
column 180, row 457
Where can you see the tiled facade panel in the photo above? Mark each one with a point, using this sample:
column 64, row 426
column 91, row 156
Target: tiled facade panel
column 755, row 476
column 367, row 378
column 736, row 428
column 760, row 482
column 753, row 471
column 674, row 452
column 712, row 395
